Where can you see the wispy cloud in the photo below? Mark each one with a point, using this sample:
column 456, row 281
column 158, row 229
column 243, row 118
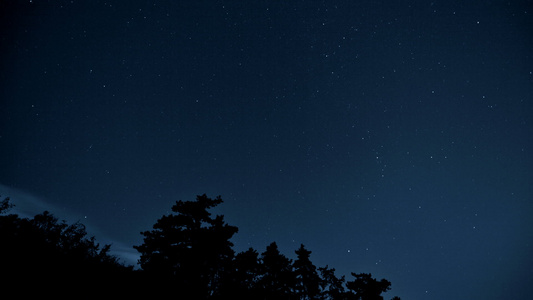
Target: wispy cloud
column 27, row 205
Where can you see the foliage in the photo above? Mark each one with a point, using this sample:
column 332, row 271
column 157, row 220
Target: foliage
column 46, row 252
column 5, row 205
column 188, row 254
column 246, row 273
column 331, row 286
column 277, row 279
column 192, row 252
column 190, row 246
column 367, row 288
column 308, row 281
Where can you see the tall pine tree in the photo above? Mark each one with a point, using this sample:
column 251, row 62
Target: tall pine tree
column 278, row 279
column 190, row 247
column 307, row 279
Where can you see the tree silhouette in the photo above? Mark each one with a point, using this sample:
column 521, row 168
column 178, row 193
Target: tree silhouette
column 45, row 253
column 188, row 254
column 331, row 286
column 367, row 288
column 244, row 280
column 307, row 279
column 278, row 279
column 5, row 205
column 191, row 247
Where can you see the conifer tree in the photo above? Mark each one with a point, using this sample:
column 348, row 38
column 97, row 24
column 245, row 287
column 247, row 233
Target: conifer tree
column 307, row 279
column 191, row 247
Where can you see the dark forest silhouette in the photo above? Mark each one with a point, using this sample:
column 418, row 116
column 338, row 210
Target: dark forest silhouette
column 187, row 255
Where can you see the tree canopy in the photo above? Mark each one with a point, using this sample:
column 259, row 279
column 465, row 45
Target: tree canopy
column 187, row 254
column 193, row 251
column 190, row 246
column 48, row 253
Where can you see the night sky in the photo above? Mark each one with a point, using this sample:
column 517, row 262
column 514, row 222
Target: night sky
column 390, row 137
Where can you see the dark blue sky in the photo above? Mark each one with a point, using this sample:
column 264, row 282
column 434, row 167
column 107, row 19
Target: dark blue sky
column 391, row 137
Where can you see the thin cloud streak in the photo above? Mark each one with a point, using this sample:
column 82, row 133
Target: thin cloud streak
column 27, row 205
